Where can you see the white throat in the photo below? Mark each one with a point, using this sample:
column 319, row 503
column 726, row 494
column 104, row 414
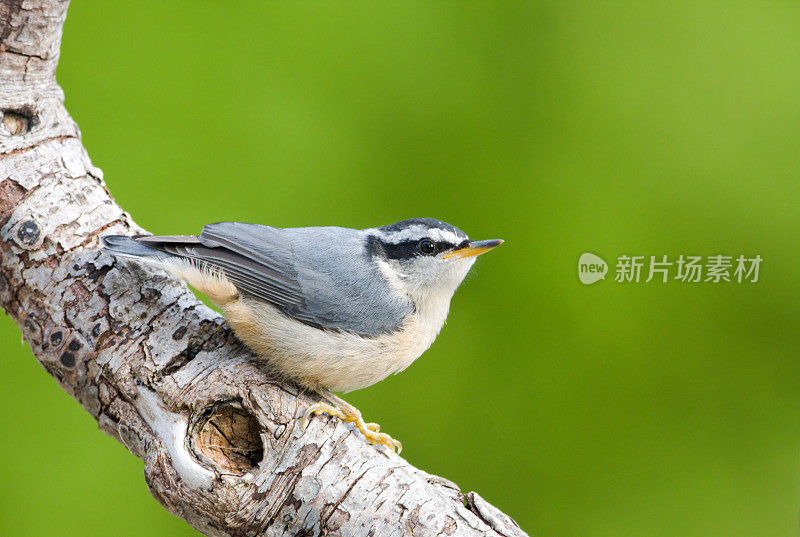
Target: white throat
column 432, row 302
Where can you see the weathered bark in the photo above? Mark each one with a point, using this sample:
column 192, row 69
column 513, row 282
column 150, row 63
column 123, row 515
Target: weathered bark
column 220, row 439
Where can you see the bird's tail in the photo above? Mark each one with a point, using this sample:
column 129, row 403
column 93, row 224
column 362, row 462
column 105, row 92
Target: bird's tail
column 124, row 246
column 176, row 255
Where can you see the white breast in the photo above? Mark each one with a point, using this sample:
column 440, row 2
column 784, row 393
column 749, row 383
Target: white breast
column 339, row 361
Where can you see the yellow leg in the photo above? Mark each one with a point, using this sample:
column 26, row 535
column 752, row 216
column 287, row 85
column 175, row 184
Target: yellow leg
column 374, row 427
column 347, row 412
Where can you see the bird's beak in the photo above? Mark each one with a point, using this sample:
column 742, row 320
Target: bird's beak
column 474, row 248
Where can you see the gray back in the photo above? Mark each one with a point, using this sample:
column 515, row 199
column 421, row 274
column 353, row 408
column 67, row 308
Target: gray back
column 321, row 276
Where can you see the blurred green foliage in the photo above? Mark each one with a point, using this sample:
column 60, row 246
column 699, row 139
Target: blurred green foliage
column 619, row 128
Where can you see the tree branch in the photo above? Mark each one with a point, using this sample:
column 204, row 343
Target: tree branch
column 162, row 373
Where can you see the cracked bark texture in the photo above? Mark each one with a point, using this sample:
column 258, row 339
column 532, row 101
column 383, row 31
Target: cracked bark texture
column 162, row 373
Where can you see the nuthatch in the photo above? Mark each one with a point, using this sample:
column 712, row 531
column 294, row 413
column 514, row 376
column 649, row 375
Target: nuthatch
column 335, row 309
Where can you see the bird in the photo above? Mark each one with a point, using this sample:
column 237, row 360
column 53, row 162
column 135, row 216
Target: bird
column 333, row 309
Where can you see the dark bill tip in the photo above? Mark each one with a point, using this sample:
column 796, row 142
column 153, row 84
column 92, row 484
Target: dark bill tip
column 491, row 243
column 474, row 248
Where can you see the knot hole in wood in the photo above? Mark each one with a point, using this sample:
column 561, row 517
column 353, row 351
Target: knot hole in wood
column 228, row 438
column 18, row 122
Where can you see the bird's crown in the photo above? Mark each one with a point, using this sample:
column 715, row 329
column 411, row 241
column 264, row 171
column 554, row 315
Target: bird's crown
column 416, row 229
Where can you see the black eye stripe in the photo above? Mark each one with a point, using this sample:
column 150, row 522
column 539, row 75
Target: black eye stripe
column 402, row 250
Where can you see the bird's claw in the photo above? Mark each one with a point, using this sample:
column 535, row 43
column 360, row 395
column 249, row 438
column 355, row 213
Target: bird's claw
column 371, row 431
column 321, row 408
column 383, row 439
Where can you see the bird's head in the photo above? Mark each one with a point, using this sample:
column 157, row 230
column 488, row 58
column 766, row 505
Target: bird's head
column 425, row 258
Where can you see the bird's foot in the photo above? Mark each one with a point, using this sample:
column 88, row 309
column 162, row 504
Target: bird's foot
column 350, row 414
column 374, row 427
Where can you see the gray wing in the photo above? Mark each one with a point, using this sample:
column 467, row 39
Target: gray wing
column 318, row 276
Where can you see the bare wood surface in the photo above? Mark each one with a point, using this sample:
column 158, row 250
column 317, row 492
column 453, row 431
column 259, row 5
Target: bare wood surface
column 160, row 372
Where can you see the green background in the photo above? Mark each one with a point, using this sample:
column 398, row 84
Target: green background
column 645, row 128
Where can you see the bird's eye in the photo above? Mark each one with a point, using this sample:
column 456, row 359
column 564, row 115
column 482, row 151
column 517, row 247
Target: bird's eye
column 426, row 246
